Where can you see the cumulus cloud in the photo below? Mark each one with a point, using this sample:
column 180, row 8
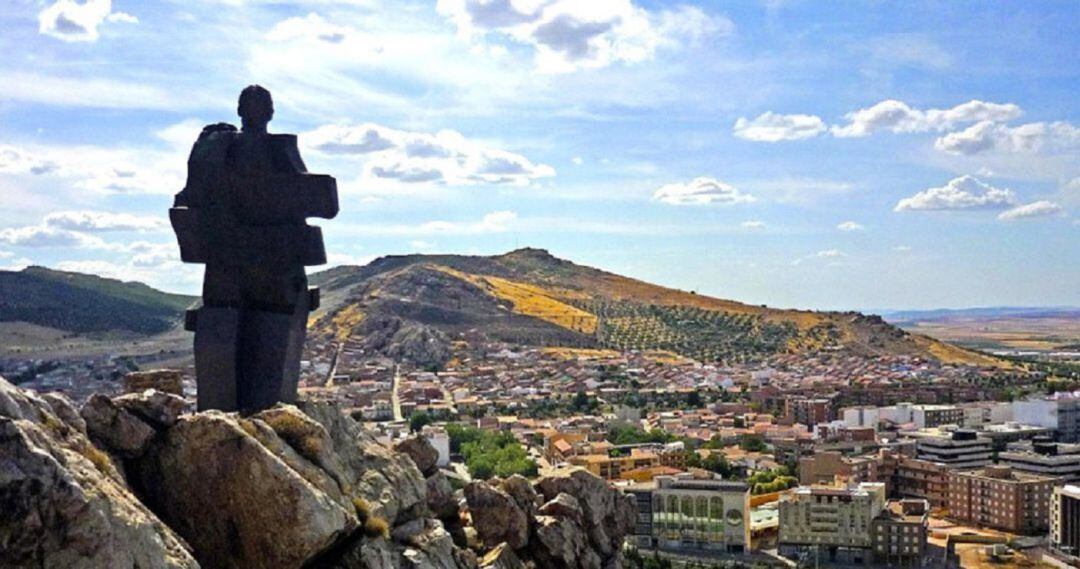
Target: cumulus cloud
column 567, row 35
column 44, row 236
column 897, row 117
column 965, row 192
column 1030, row 138
column 850, row 226
column 444, row 157
column 774, row 127
column 701, row 191
column 1041, row 208
column 73, row 21
column 14, row 160
column 97, row 221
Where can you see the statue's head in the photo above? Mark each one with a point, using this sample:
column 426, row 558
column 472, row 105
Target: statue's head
column 255, row 108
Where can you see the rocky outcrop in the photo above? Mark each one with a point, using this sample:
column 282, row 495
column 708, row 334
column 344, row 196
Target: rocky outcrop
column 582, row 524
column 62, row 501
column 421, row 452
column 131, row 481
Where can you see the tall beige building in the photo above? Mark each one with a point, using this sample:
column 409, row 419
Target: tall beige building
column 835, row 522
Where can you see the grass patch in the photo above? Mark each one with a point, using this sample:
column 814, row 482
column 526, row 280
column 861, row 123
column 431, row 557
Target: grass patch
column 377, row 527
column 99, row 459
column 304, row 436
column 363, row 509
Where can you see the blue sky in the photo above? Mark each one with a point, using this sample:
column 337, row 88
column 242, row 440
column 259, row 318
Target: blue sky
column 806, row 154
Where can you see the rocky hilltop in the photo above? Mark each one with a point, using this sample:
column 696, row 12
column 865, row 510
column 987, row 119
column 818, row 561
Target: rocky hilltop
column 133, row 481
column 414, row 306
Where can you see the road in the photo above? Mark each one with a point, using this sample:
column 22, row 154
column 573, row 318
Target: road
column 395, row 400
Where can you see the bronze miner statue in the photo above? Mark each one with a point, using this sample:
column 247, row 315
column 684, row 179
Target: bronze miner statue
column 242, row 214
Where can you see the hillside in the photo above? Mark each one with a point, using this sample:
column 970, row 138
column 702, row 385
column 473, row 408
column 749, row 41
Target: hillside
column 79, row 303
column 530, row 297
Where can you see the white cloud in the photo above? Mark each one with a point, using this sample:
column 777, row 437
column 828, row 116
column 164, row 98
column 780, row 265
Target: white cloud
column 1030, row 138
column 577, row 161
column 830, row 254
column 850, row 226
column 897, row 117
column 445, row 157
column 42, row 236
column 494, row 222
column 14, row 160
column 73, row 21
column 567, row 35
column 774, row 127
column 701, row 191
column 96, row 221
column 902, row 249
column 99, row 170
column 1041, row 208
column 965, row 192
column 420, row 245
column 753, row 224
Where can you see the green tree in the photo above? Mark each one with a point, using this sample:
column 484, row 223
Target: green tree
column 418, row 421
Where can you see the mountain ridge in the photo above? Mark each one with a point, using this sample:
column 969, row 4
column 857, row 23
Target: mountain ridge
column 531, row 297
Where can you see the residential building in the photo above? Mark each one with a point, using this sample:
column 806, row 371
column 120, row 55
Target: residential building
column 808, row 412
column 830, row 467
column 909, row 477
column 835, row 523
column 927, row 416
column 962, row 448
column 1060, row 412
column 899, row 533
column 865, row 416
column 1065, row 524
column 612, row 467
column 999, row 497
column 682, row 512
column 1060, row 460
column 439, row 439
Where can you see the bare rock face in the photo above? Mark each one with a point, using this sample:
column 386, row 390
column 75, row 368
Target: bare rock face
column 421, row 452
column 158, row 408
column 441, row 500
column 118, row 429
column 524, row 495
column 558, row 543
column 62, row 502
column 607, row 514
column 167, row 380
column 563, row 506
column 496, row 516
column 501, row 557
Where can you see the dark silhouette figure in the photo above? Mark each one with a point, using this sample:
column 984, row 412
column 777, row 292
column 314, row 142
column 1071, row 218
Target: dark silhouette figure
column 242, row 213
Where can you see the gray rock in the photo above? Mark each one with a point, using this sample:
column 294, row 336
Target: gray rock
column 158, row 408
column 519, row 488
column 117, row 429
column 607, row 514
column 441, row 499
column 501, row 557
column 495, row 515
column 558, row 543
column 65, row 410
column 62, row 504
column 563, row 506
column 421, row 452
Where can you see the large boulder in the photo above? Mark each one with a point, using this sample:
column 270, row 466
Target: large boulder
column 158, row 408
column 608, row 515
column 421, row 452
column 237, row 502
column 501, row 557
column 523, row 493
column 441, row 499
column 62, row 502
column 496, row 516
column 558, row 543
column 116, row 428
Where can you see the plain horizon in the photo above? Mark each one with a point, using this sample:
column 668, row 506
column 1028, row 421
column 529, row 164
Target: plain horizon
column 784, row 153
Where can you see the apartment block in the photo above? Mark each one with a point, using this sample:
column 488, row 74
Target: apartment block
column 830, row 467
column 809, row 411
column 909, row 477
column 960, row 449
column 999, row 497
column 1047, row 458
column 834, row 522
column 1065, row 525
column 899, row 533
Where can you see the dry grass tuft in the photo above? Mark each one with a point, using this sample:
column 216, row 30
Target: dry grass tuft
column 377, row 527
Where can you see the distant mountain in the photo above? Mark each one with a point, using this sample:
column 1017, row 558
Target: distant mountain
column 83, row 303
column 414, row 305
column 981, row 313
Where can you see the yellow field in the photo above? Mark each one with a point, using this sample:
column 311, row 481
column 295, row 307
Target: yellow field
column 345, row 320
column 531, row 300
